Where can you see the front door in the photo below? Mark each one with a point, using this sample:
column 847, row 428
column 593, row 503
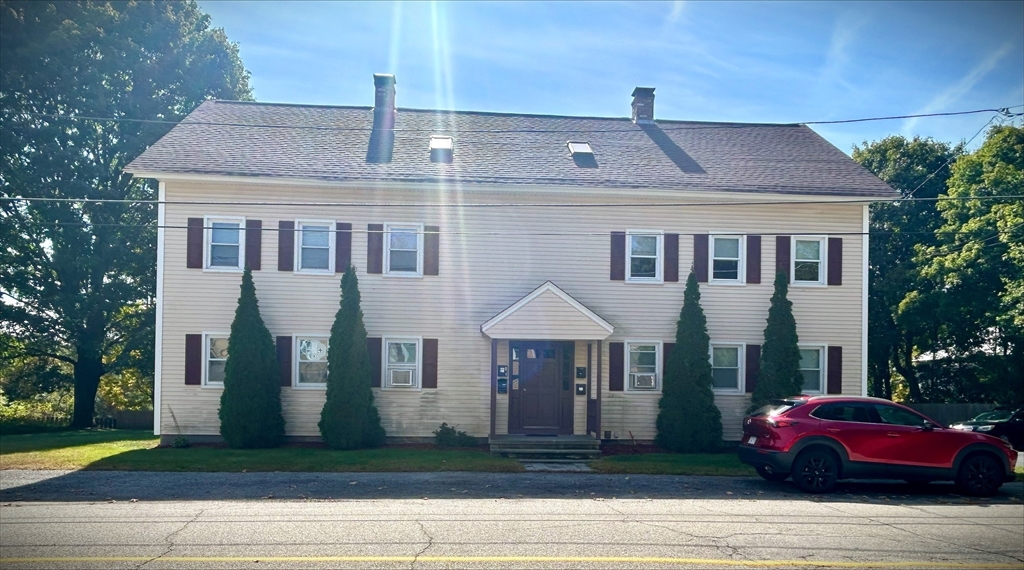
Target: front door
column 540, row 398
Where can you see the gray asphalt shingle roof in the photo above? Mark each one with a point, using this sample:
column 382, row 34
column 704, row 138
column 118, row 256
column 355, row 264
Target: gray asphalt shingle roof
column 330, row 143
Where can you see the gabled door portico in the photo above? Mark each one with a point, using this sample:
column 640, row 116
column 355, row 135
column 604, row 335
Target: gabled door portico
column 542, row 330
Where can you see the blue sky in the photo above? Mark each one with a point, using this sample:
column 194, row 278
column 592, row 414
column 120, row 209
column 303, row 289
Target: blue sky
column 709, row 61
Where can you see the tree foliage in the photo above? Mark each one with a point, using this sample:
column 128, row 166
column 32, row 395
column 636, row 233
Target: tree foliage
column 349, row 420
column 688, row 419
column 779, row 375
column 250, row 405
column 978, row 260
column 916, row 168
column 77, row 279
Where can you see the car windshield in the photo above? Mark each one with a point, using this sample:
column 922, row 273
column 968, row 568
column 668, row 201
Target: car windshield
column 777, row 407
column 993, row 416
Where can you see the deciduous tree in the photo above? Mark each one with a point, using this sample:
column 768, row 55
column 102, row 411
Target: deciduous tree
column 70, row 270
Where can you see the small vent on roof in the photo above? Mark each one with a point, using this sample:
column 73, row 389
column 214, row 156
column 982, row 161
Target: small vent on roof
column 582, row 154
column 441, row 149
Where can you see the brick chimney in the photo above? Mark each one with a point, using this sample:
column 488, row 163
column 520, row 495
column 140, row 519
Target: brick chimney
column 382, row 138
column 643, row 105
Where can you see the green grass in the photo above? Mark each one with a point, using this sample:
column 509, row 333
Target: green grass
column 727, row 464
column 138, row 451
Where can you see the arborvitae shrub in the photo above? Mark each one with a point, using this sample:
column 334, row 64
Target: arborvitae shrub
column 250, row 405
column 688, row 419
column 779, row 375
column 349, row 419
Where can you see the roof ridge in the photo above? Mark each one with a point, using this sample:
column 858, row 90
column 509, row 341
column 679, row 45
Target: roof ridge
column 504, row 114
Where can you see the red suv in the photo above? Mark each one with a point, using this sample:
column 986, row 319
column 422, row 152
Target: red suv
column 820, row 439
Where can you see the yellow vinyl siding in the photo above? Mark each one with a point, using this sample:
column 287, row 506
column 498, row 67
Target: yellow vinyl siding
column 489, row 259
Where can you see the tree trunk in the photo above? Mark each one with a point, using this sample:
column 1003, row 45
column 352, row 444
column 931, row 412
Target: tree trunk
column 903, row 361
column 88, row 369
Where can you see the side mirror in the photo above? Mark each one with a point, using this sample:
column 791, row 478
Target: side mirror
column 928, row 426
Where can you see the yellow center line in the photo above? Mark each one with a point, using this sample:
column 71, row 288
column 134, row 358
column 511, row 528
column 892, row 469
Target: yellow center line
column 517, row 559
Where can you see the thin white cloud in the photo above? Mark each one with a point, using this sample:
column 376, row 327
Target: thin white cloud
column 678, row 7
column 957, row 90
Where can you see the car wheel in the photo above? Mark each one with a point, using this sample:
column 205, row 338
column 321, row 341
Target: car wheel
column 816, row 471
column 980, row 476
column 769, row 474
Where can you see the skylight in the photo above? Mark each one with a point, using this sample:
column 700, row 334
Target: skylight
column 441, row 148
column 577, row 147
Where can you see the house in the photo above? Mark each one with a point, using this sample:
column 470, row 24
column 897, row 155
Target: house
column 519, row 273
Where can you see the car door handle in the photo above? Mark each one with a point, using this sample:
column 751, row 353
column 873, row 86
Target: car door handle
column 892, row 434
column 832, row 430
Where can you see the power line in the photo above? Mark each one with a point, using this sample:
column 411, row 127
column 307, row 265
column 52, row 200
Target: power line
column 500, row 205
column 184, row 122
column 951, row 158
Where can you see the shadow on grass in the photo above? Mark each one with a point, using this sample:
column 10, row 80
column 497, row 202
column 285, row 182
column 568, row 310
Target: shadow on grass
column 60, row 439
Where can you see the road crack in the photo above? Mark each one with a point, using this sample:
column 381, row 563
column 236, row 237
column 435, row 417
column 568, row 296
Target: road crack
column 169, row 539
column 430, row 542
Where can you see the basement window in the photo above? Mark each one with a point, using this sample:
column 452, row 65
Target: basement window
column 582, row 154
column 442, row 149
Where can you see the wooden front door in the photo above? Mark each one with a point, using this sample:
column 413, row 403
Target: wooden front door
column 540, row 397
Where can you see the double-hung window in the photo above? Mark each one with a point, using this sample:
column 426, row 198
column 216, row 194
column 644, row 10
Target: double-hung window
column 216, row 359
column 726, row 259
column 812, row 360
column 643, row 365
column 808, row 260
column 726, row 366
column 644, row 252
column 311, row 361
column 315, row 247
column 401, row 363
column 403, row 254
column 225, row 243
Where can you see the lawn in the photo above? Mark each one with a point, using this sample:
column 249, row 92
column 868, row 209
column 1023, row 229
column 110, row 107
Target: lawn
column 727, row 464
column 138, row 451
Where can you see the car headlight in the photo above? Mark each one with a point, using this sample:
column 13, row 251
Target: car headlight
column 984, row 428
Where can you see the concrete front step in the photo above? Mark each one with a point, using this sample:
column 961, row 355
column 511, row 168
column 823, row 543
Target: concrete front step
column 546, row 448
column 546, row 454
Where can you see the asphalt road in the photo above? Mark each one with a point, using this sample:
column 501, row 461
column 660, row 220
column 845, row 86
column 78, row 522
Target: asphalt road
column 481, row 520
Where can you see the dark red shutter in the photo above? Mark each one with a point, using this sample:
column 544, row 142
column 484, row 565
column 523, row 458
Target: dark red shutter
column 671, row 258
column 194, row 244
column 835, row 370
column 782, row 254
column 253, row 244
column 284, row 359
column 375, row 249
column 430, row 363
column 666, row 349
column 615, row 365
column 753, row 366
column 431, row 249
column 835, row 261
column 700, row 257
column 193, row 359
column 753, row 259
column 343, row 247
column 618, row 253
column 373, row 346
column 286, row 246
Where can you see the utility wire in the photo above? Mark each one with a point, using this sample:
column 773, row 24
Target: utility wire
column 499, row 205
column 950, row 160
column 184, row 122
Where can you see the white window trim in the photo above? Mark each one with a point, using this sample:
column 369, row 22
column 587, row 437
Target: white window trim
column 742, row 263
column 741, row 374
column 659, row 262
column 331, row 243
column 206, row 358
column 295, row 360
column 418, row 387
column 822, row 361
column 659, row 357
column 823, row 267
column 208, row 238
column 387, row 250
